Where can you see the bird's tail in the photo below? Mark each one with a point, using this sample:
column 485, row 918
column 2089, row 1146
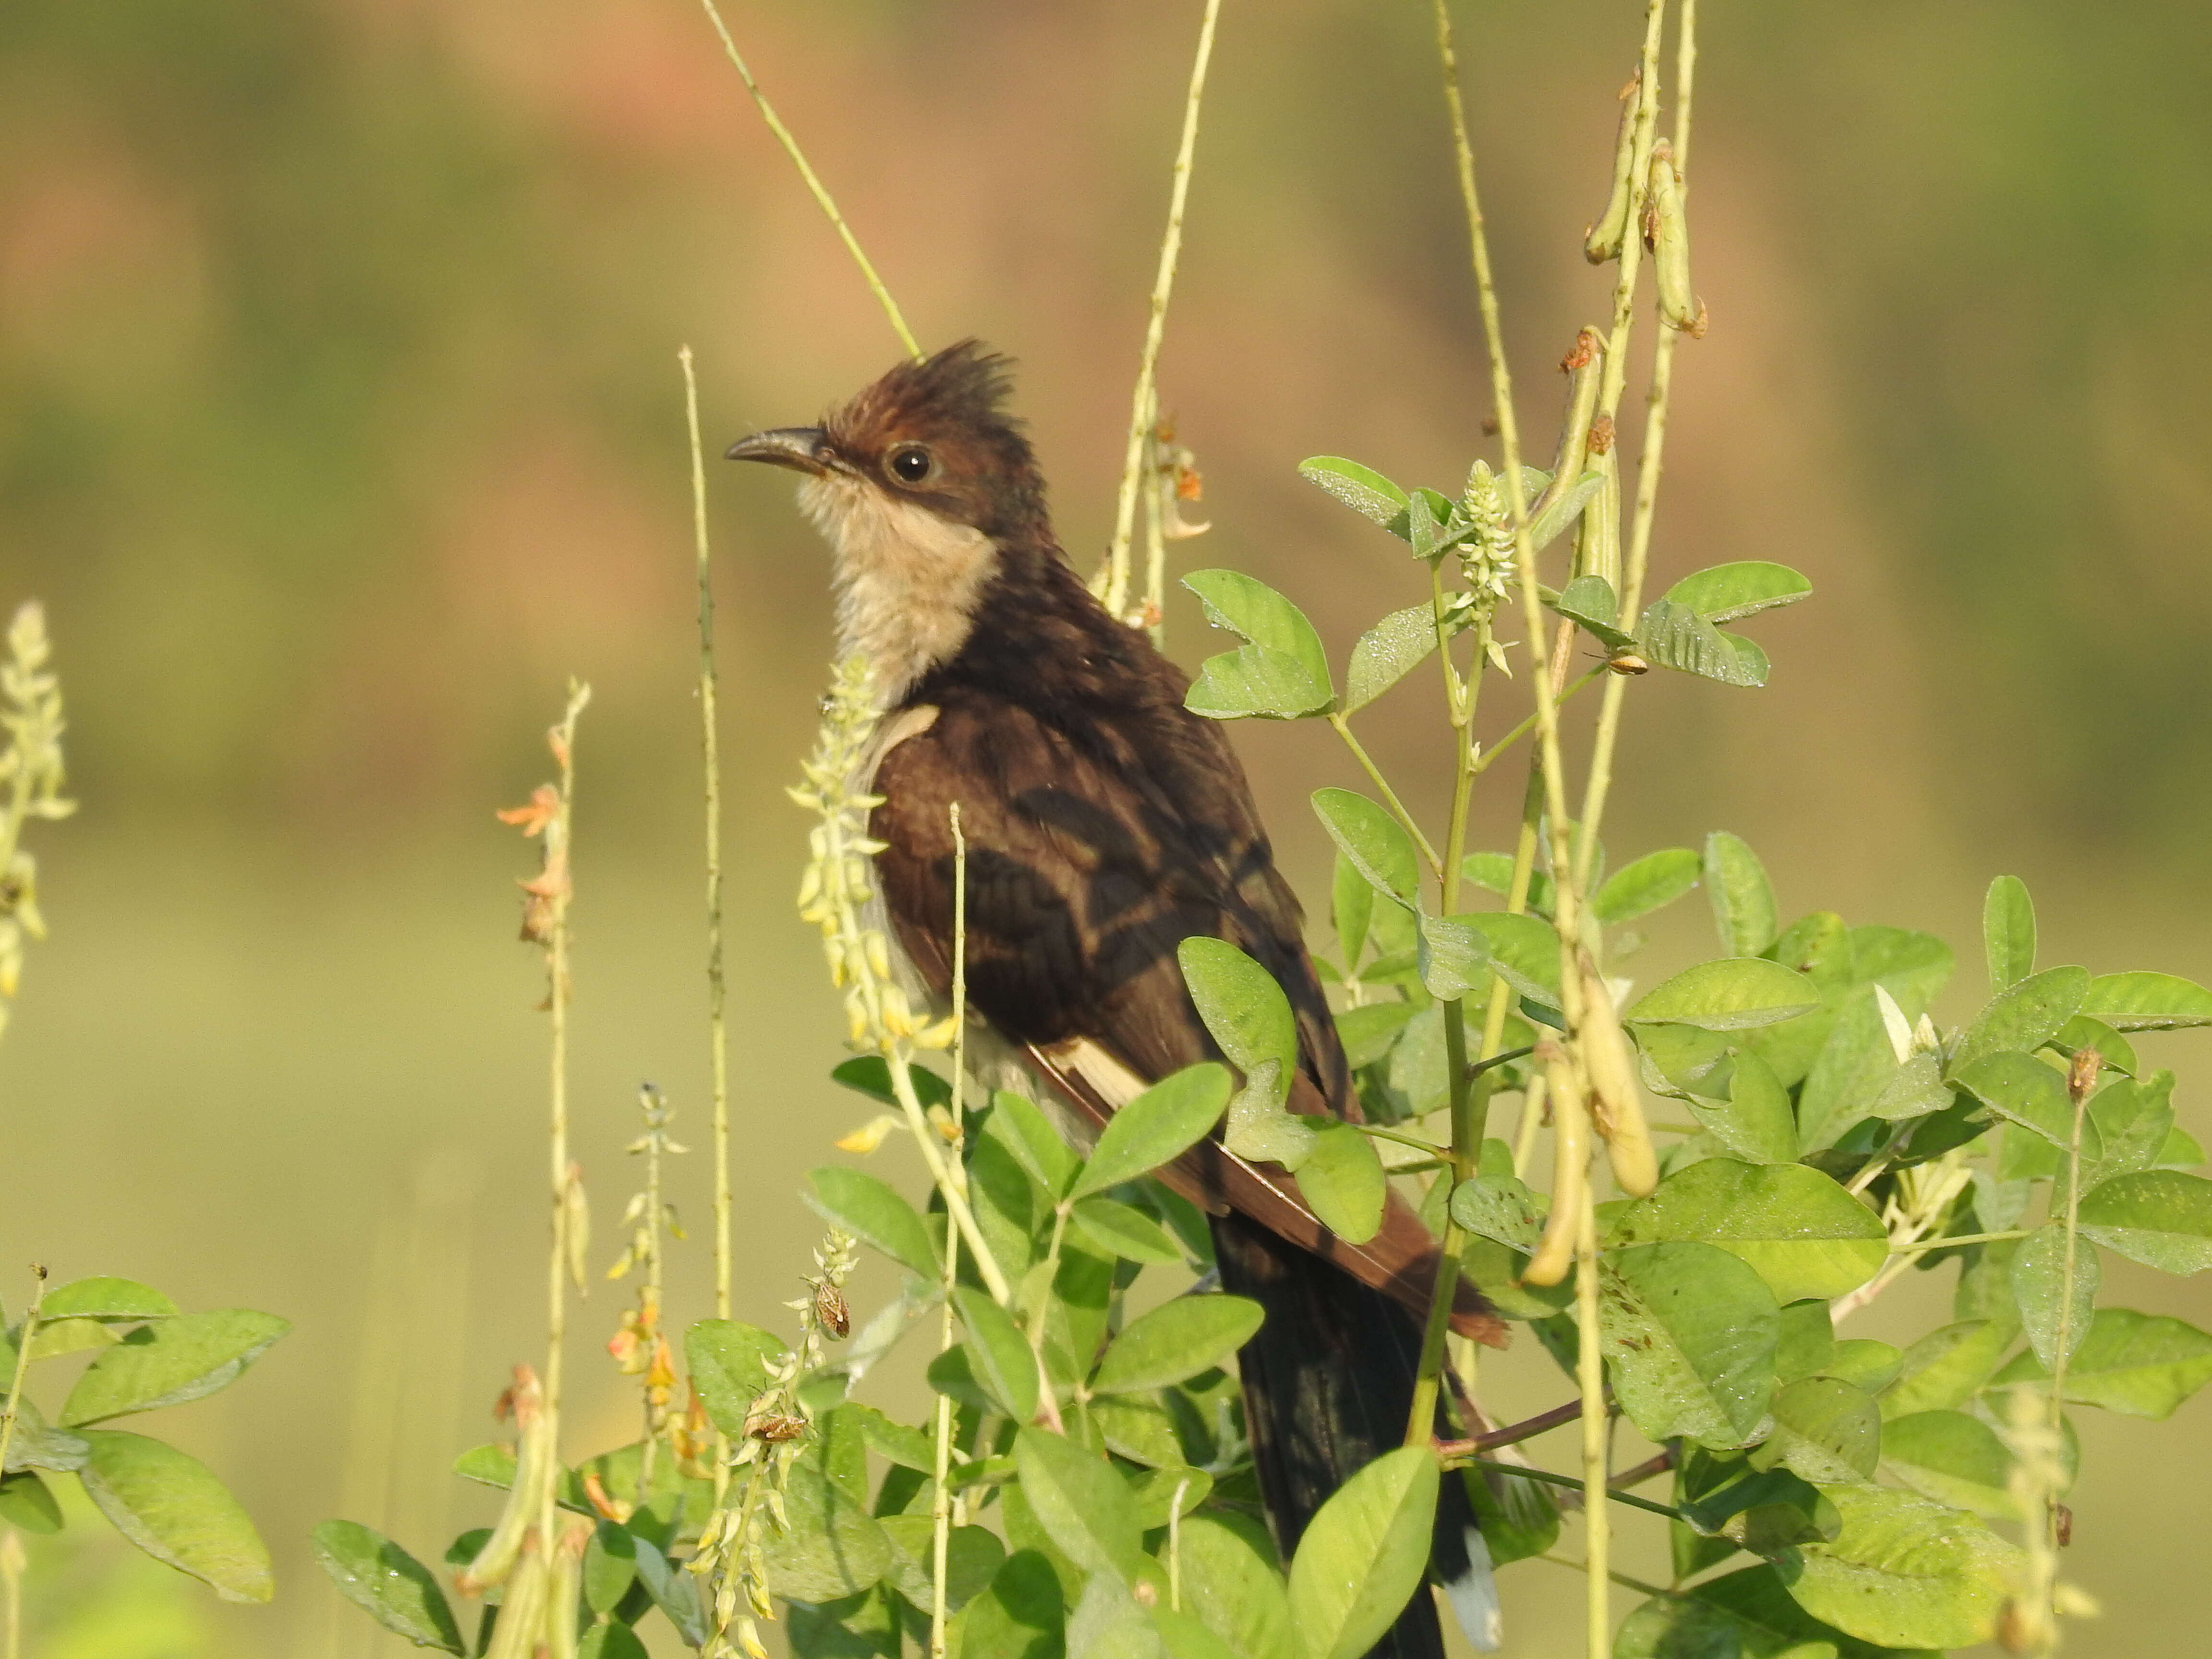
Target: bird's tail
column 1328, row 1383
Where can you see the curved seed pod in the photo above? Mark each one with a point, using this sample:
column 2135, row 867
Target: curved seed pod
column 1603, row 240
column 1584, row 366
column 508, row 1540
column 522, row 1609
column 1667, row 228
column 1570, row 1168
column 1616, row 1107
column 564, row 1589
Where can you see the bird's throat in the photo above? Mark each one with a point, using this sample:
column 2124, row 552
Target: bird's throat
column 907, row 580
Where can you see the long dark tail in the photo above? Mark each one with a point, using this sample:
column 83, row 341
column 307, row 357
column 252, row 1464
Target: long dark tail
column 1329, row 1383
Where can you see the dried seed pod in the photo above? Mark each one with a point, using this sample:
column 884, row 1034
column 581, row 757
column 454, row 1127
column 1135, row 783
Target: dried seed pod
column 1667, row 230
column 1603, row 240
column 1570, row 1171
column 1616, row 1106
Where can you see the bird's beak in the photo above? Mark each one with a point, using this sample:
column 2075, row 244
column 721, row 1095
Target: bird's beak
column 801, row 449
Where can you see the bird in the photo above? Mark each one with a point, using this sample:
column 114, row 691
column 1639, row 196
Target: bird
column 1105, row 823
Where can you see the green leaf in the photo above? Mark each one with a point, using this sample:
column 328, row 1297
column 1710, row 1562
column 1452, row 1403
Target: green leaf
column 1122, row 1230
column 1493, row 873
column 1674, row 636
column 1690, row 1333
column 1454, row 957
column 1362, row 489
column 1282, row 673
column 1499, row 1207
column 2039, row 1284
column 1729, row 994
column 105, row 1298
column 1872, row 1365
column 2137, row 1365
column 1824, row 1430
column 1250, row 1018
column 808, row 1561
column 1177, row 1487
column 55, row 1337
column 874, row 1212
column 1953, row 1458
column 1589, row 602
column 1755, row 1123
column 1351, row 902
column 1371, row 1030
column 1654, row 880
column 2008, row 932
column 184, row 1358
column 620, row 1642
column 1800, row 1231
column 171, row 1508
column 1747, row 1614
column 390, row 1585
column 1176, row 1341
column 871, row 1075
column 26, row 1501
column 2160, row 1217
column 1363, row 1556
column 1386, row 653
column 1231, row 1584
column 2147, row 1002
column 610, row 1566
column 1562, row 509
column 2022, row 1090
column 1085, row 1508
column 1030, row 1140
column 998, row 1354
column 1525, row 952
column 2023, row 1016
column 1949, row 1366
column 728, row 1365
column 1173, row 1115
column 830, row 1547
column 1744, row 912
column 1342, row 1180
column 1020, row 1614
column 1726, row 592
column 1903, row 1573
column 1376, row 843
column 973, row 1558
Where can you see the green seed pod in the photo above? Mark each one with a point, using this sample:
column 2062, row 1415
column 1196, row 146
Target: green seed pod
column 1603, row 240
column 1667, row 228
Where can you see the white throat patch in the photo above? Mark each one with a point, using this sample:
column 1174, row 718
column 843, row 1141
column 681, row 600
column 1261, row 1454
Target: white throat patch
column 906, row 581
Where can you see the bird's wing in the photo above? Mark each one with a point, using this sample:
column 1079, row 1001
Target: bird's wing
column 1094, row 849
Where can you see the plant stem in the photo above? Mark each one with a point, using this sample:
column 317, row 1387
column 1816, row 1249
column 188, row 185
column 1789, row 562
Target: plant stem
column 1590, row 1370
column 2081, row 1081
column 1572, row 1482
column 1619, row 1578
column 717, row 991
column 1112, row 582
column 1343, row 728
column 783, row 135
column 24, row 1333
column 1513, row 1433
column 1651, row 460
column 1955, row 1241
column 940, row 1500
column 556, row 956
column 1528, row 723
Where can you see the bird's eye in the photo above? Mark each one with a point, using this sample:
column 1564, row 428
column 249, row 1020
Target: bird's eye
column 910, row 464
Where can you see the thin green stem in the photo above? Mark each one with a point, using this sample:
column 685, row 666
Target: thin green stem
column 24, row 1333
column 1112, row 583
column 1573, row 1482
column 2081, row 1081
column 1955, row 1242
column 1343, row 728
column 1528, row 723
column 814, row 185
column 562, row 826
column 1589, row 1371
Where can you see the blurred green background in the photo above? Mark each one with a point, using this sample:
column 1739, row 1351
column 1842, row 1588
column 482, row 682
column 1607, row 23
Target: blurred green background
column 340, row 421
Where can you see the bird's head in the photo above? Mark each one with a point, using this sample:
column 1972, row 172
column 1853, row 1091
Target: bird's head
column 927, row 493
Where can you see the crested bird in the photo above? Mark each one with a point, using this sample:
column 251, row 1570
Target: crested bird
column 1105, row 824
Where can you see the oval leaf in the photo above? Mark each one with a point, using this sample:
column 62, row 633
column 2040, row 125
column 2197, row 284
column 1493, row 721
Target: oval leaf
column 185, row 1357
column 1084, row 1507
column 1674, row 636
column 1376, row 843
column 2008, row 932
column 1363, row 1554
column 1799, row 1230
column 874, row 1212
column 1744, row 911
column 2161, row 1217
column 728, row 1365
column 1175, row 1342
column 1729, row 994
column 390, row 1585
column 1903, row 1573
column 1123, row 1231
column 1243, row 1008
column 1691, row 1333
column 1953, row 1458
column 2147, row 1002
column 1229, row 1582
column 1342, row 1180
column 2137, row 1365
column 2040, row 1285
column 1727, row 592
column 2024, row 1016
column 999, row 1355
column 1386, row 653
column 1282, row 672
column 1362, row 489
column 1652, row 881
column 171, row 1508
column 1824, row 1430
column 105, row 1299
column 830, row 1546
column 1176, row 1114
